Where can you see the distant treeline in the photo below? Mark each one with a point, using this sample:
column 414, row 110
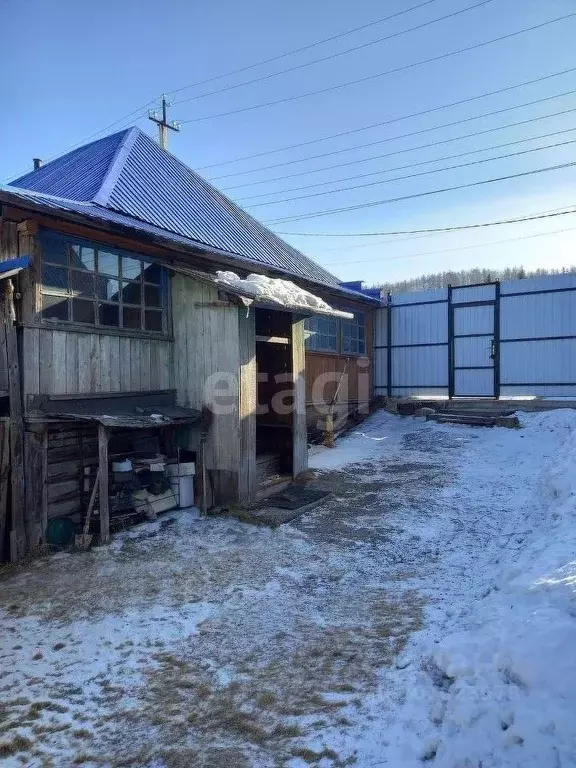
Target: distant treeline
column 466, row 277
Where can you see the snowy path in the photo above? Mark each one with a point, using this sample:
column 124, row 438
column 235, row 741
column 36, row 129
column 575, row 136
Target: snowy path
column 398, row 622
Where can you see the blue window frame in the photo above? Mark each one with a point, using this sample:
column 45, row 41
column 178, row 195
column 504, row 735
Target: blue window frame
column 88, row 283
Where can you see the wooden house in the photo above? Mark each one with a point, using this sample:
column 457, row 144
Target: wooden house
column 120, row 334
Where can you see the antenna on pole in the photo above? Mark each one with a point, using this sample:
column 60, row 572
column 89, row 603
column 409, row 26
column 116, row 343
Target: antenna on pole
column 161, row 119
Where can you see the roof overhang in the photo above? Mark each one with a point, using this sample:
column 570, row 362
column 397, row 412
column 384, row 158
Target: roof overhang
column 99, row 218
column 128, row 411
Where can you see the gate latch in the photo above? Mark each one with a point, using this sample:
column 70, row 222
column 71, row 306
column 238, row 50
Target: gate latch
column 493, row 349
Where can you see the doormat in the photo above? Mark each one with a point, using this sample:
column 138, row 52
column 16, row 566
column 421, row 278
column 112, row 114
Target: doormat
column 295, row 497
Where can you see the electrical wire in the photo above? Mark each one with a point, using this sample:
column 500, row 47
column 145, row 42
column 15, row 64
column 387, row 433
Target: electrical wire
column 303, row 48
column 542, row 215
column 452, row 250
column 337, row 54
column 421, row 131
column 408, row 165
column 362, row 128
column 395, row 70
column 418, row 174
column 375, row 203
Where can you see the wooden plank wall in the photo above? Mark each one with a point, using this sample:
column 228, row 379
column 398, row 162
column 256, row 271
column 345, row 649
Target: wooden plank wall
column 59, row 362
column 206, row 342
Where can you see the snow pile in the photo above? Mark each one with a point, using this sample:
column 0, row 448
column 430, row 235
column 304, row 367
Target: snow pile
column 282, row 292
column 502, row 690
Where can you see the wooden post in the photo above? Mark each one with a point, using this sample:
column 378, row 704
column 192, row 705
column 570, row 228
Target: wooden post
column 299, row 431
column 17, row 533
column 103, row 475
column 4, row 477
column 44, row 512
column 247, row 406
column 34, row 487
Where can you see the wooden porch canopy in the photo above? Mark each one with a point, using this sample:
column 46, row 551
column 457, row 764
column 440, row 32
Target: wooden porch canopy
column 247, row 297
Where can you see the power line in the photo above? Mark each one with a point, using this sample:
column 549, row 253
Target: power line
column 420, row 146
column 395, row 70
column 418, row 174
column 409, row 165
column 303, row 48
column 375, row 203
column 543, row 215
column 337, row 54
column 453, row 250
column 389, row 121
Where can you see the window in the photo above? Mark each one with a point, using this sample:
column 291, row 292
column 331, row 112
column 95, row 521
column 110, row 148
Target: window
column 83, row 283
column 329, row 334
column 322, row 334
column 354, row 335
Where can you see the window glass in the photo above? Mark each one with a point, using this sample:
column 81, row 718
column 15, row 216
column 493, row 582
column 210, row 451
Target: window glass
column 75, row 276
column 108, row 263
column 108, row 288
column 152, row 296
column 82, row 283
column 132, row 293
column 131, row 317
column 153, row 320
column 109, row 314
column 55, row 307
column 131, row 268
column 82, row 257
column 83, row 311
column 322, row 334
column 55, row 250
column 152, row 273
column 55, row 277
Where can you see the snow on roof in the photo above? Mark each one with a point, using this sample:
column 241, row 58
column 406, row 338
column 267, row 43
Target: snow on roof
column 285, row 293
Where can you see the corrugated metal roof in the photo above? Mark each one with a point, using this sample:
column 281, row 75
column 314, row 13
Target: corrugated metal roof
column 128, row 174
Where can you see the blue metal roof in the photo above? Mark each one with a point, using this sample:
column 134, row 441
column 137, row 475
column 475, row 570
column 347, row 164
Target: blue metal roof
column 126, row 178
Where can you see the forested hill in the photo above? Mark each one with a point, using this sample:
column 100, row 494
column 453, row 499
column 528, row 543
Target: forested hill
column 466, row 277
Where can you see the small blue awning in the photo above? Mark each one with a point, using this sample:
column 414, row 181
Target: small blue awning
column 11, row 267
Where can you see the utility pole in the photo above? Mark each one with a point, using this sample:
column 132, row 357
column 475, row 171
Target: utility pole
column 162, row 122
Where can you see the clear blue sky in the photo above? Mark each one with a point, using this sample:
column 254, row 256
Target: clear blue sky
column 71, row 68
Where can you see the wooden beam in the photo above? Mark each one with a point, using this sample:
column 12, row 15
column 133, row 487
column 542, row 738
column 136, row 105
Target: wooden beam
column 299, row 431
column 103, row 475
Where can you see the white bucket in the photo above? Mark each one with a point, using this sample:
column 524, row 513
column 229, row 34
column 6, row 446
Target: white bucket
column 183, row 488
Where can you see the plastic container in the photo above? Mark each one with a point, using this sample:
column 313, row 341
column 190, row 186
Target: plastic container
column 186, row 468
column 183, row 488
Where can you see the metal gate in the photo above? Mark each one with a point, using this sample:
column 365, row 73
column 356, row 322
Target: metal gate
column 511, row 339
column 473, row 335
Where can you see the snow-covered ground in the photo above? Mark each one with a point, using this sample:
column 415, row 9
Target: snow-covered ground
column 423, row 614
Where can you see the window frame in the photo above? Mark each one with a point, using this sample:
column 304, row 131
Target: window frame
column 357, row 325
column 356, row 336
column 72, row 246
